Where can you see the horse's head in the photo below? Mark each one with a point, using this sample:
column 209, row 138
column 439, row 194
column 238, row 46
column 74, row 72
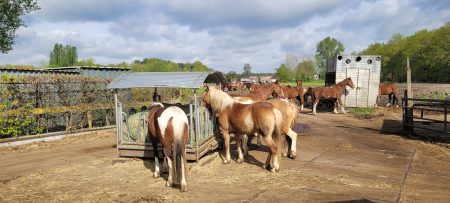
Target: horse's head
column 299, row 82
column 277, row 91
column 350, row 83
column 206, row 98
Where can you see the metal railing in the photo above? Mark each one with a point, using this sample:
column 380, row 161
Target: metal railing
column 426, row 107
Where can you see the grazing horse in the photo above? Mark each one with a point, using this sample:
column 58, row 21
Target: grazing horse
column 241, row 119
column 389, row 89
column 332, row 92
column 169, row 125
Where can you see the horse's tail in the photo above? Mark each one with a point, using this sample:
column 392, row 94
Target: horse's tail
column 277, row 129
column 180, row 133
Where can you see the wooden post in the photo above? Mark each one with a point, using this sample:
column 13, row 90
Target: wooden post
column 89, row 118
column 408, row 81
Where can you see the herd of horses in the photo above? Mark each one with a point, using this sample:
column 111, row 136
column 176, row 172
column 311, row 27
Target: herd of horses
column 243, row 116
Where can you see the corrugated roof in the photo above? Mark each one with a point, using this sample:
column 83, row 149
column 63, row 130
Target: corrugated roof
column 165, row 79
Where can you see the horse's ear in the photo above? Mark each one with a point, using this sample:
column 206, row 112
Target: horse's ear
column 207, row 87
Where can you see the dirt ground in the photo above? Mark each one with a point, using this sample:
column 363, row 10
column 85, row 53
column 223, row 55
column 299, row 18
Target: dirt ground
column 340, row 158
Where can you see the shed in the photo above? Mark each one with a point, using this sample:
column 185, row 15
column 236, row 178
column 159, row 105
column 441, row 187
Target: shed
column 365, row 73
column 131, row 130
column 97, row 71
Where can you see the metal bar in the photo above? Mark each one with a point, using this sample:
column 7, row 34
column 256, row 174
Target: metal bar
column 191, row 126
column 428, row 119
column 117, row 121
column 429, row 129
column 197, row 125
column 426, row 109
column 445, row 116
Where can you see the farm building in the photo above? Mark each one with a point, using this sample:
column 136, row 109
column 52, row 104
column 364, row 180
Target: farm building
column 365, row 73
column 103, row 72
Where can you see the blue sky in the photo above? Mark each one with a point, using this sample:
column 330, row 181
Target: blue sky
column 222, row 34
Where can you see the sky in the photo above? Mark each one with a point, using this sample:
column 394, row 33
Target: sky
column 223, row 35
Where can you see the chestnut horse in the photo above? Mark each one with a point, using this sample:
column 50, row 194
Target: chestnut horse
column 233, row 86
column 332, row 92
column 390, row 90
column 241, row 119
column 170, row 126
column 287, row 109
column 293, row 92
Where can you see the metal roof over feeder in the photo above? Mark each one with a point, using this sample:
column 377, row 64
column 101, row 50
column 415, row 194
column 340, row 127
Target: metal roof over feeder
column 166, row 79
column 131, row 128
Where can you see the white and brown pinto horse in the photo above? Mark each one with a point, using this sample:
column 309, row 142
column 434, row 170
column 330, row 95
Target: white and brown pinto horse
column 332, row 92
column 170, row 126
column 241, row 119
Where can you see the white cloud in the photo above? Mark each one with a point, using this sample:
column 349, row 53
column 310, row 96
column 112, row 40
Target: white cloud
column 222, row 34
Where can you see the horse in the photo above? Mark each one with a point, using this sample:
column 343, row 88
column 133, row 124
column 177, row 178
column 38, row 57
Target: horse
column 234, row 86
column 388, row 89
column 299, row 83
column 334, row 91
column 287, row 109
column 170, row 126
column 293, row 92
column 241, row 119
column 262, row 92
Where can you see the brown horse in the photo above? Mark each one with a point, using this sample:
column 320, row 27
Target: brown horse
column 233, row 86
column 293, row 93
column 241, row 119
column 390, row 90
column 332, row 92
column 170, row 127
column 262, row 92
column 287, row 109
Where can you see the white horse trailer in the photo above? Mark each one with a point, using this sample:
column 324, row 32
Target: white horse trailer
column 365, row 73
column 131, row 129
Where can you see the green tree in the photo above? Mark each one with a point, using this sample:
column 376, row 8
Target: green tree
column 87, row 62
column 283, row 74
column 247, row 70
column 232, row 76
column 305, row 70
column 325, row 49
column 10, row 21
column 63, row 56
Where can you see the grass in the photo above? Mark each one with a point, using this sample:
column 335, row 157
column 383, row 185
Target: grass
column 307, row 84
column 363, row 112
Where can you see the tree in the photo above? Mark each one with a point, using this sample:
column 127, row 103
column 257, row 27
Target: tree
column 87, row 62
column 283, row 74
column 10, row 21
column 232, row 76
column 63, row 56
column 305, row 70
column 326, row 49
column 247, row 70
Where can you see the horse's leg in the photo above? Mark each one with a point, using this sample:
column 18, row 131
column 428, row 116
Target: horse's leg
column 335, row 107
column 302, row 101
column 293, row 136
column 258, row 140
column 272, row 157
column 342, row 105
column 226, row 139
column 239, row 143
column 389, row 102
column 167, row 153
column 395, row 100
column 165, row 166
column 155, row 153
column 245, row 144
column 183, row 185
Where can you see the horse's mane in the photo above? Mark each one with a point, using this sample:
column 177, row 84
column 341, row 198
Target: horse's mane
column 219, row 99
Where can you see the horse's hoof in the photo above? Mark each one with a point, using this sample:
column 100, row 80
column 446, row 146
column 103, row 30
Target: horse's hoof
column 156, row 175
column 240, row 161
column 183, row 188
column 293, row 155
column 226, row 161
column 168, row 184
column 284, row 154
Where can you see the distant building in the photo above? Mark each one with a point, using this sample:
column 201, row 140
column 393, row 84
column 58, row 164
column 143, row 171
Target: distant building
column 266, row 79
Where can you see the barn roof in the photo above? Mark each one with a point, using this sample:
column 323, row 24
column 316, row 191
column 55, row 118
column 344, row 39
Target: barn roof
column 166, row 79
